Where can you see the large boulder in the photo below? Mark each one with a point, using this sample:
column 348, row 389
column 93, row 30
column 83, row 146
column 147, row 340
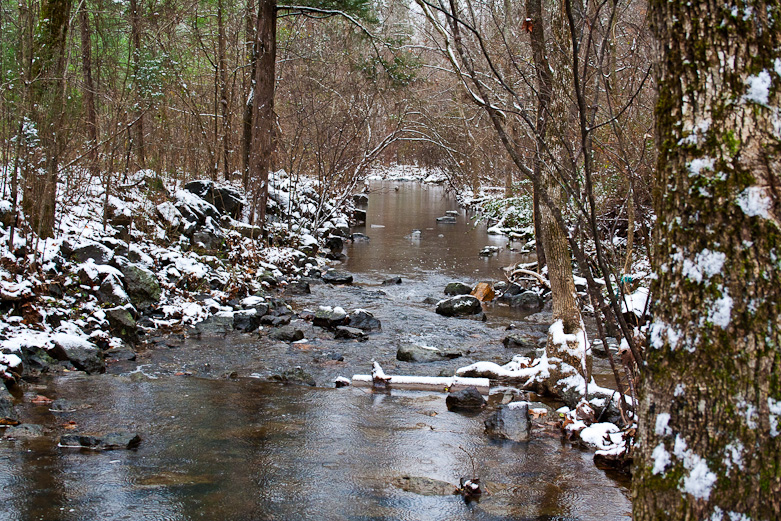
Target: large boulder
column 170, row 215
column 246, row 320
column 287, row 333
column 362, row 319
column 350, row 333
column 7, row 413
column 528, row 301
column 510, row 422
column 520, row 341
column 215, row 325
column 226, row 199
column 122, row 322
column 458, row 288
column 86, row 250
column 82, row 354
column 468, row 399
column 110, row 441
column 140, row 283
column 112, row 291
column 329, row 317
column 462, row 305
column 337, row 277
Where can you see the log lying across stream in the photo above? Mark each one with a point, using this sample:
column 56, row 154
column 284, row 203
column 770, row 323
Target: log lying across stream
column 426, row 383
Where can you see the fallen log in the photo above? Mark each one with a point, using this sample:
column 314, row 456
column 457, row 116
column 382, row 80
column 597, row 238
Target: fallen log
column 426, row 383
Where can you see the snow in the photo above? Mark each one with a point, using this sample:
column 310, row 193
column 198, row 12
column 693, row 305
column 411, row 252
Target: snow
column 603, row 436
column 699, row 480
column 252, row 301
column 758, row 88
column 754, row 202
column 662, row 429
column 698, row 165
column 636, row 302
column 706, row 264
column 734, row 455
column 774, row 406
column 721, row 312
column 574, row 344
column 661, row 459
column 519, row 367
column 71, row 341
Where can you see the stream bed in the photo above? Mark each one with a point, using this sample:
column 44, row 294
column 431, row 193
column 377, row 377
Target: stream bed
column 221, row 442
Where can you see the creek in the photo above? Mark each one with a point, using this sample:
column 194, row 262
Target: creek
column 221, row 442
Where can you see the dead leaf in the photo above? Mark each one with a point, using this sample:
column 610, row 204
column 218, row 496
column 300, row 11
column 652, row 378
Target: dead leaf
column 70, row 425
column 537, row 413
column 9, row 421
column 527, row 25
column 41, row 400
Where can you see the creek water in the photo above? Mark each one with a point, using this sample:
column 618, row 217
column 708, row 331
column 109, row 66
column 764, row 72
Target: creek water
column 241, row 448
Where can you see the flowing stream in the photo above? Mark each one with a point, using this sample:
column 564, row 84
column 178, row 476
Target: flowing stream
column 220, row 444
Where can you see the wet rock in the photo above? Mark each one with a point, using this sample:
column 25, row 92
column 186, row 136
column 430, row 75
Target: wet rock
column 110, row 441
column 431, row 301
column 350, row 333
column 424, row 486
column 329, row 317
column 424, row 354
column 391, row 281
column 120, row 354
column 334, row 243
column 24, row 432
column 466, row 399
column 246, row 320
column 300, row 287
column 122, row 322
column 287, row 333
column 219, row 324
column 361, row 199
column 488, row 251
column 329, row 356
column 337, row 277
column 82, row 354
column 462, row 305
column 447, row 219
column 598, row 349
column 140, row 283
column 341, row 381
column 458, row 288
column 543, row 317
column 520, row 341
column 274, row 320
column 209, row 238
column 483, row 292
column 359, row 216
column 359, row 237
column 508, row 291
column 7, row 413
column 528, row 300
column 362, row 319
column 510, row 422
column 295, row 376
column 86, row 250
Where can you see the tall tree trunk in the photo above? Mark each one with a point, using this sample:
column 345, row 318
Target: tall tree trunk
column 135, row 40
column 251, row 44
column 89, row 90
column 223, row 79
column 710, row 404
column 47, row 97
column 263, row 142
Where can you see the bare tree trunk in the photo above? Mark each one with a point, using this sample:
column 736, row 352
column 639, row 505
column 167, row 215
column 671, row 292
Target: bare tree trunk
column 710, row 403
column 223, row 80
column 251, row 44
column 89, row 90
column 263, row 142
column 135, row 39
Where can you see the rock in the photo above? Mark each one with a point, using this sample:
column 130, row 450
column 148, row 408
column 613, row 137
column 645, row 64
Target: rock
column 509, row 291
column 457, row 288
column 543, row 317
column 447, row 219
column 461, row 305
column 328, row 357
column 226, row 199
column 209, row 238
column 7, row 413
column 8, row 216
column 488, row 251
column 82, row 354
column 248, row 231
column 359, row 216
column 423, row 354
column 391, row 281
column 466, row 399
column 361, row 199
column 122, row 322
column 359, row 237
column 24, row 432
column 110, row 441
column 300, row 287
column 219, row 324
column 287, row 333
column 424, row 486
column 140, row 283
column 362, row 319
column 341, row 381
column 334, row 243
column 350, row 333
column 170, row 215
column 528, row 300
column 120, row 354
column 329, row 317
column 520, row 341
column 337, row 277
column 483, row 292
column 510, row 422
column 295, row 376
column 112, row 291
column 246, row 320
column 85, row 250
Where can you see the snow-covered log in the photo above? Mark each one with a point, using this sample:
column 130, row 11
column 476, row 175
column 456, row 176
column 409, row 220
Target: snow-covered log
column 427, row 383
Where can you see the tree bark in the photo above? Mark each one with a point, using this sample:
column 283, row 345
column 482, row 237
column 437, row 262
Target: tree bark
column 223, row 79
column 263, row 141
column 710, row 403
column 251, row 44
column 47, row 97
column 135, row 39
column 89, row 90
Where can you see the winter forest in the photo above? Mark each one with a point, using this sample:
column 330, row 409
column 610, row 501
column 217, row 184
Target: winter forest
column 399, row 259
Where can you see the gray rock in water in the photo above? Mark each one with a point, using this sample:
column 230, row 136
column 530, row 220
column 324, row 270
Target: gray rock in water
column 462, row 305
column 458, row 288
column 337, row 277
column 520, row 341
column 543, row 317
column 424, row 486
column 246, row 320
column 219, row 324
column 329, row 318
column 110, row 441
column 83, row 355
column 359, row 237
column 6, row 405
column 287, row 333
column 447, row 219
column 424, row 354
column 391, row 281
column 508, row 291
column 334, row 243
column 364, row 320
column 361, row 199
column 24, row 431
column 140, row 283
column 122, row 322
column 528, row 300
column 466, row 399
column 300, row 287
column 350, row 333
column 510, row 422
column 295, row 376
